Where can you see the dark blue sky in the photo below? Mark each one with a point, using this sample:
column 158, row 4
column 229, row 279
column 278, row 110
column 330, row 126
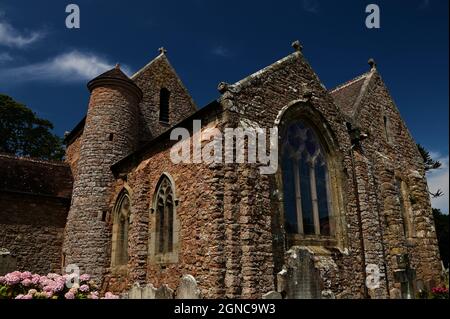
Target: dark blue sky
column 213, row 41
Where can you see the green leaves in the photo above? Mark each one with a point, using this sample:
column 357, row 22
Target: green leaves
column 429, row 162
column 22, row 133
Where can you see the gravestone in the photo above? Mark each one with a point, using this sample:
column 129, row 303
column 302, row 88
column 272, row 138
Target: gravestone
column 272, row 295
column 164, row 292
column 299, row 278
column 188, row 288
column 7, row 262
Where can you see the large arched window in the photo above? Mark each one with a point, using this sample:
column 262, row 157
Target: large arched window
column 165, row 229
column 306, row 182
column 121, row 222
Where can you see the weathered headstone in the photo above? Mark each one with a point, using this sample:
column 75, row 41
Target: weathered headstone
column 135, row 291
column 7, row 262
column 149, row 292
column 188, row 288
column 328, row 294
column 164, row 292
column 395, row 293
column 299, row 279
column 272, row 295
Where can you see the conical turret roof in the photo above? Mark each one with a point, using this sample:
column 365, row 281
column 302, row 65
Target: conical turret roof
column 116, row 76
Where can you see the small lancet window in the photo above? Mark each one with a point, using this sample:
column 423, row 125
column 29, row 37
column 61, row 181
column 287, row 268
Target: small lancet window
column 164, row 105
column 164, row 217
column 387, row 129
column 121, row 223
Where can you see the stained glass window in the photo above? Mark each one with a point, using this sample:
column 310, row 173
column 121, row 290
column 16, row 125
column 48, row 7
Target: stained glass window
column 305, row 182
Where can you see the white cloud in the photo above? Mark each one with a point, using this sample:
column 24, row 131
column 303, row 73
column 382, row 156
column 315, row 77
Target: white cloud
column 439, row 180
column 311, row 6
column 221, row 51
column 11, row 37
column 68, row 67
column 5, row 57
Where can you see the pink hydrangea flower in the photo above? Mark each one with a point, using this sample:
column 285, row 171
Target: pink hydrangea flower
column 35, row 279
column 25, row 275
column 93, row 295
column 84, row 288
column 27, row 297
column 2, row 280
column 85, row 277
column 12, row 278
column 110, row 295
column 69, row 295
column 52, row 276
column 26, row 282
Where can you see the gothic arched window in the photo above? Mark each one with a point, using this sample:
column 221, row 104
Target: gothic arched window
column 164, row 217
column 164, row 104
column 121, row 223
column 306, row 182
column 164, row 229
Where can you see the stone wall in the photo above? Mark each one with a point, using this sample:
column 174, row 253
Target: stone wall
column 199, row 191
column 392, row 158
column 34, row 201
column 258, row 246
column 73, row 155
column 32, row 228
column 151, row 79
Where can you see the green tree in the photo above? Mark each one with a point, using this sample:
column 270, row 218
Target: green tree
column 429, row 162
column 442, row 225
column 23, row 133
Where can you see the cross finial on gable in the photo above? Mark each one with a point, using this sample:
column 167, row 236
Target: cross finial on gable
column 297, row 46
column 117, row 66
column 162, row 50
column 372, row 64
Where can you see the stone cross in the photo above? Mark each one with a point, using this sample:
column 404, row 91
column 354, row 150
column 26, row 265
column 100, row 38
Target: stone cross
column 162, row 50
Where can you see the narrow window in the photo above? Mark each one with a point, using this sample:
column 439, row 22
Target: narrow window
column 405, row 208
column 164, row 104
column 387, row 131
column 165, row 217
column 120, row 230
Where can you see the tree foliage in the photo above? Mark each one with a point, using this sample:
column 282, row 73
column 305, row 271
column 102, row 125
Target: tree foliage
column 429, row 162
column 23, row 133
column 442, row 226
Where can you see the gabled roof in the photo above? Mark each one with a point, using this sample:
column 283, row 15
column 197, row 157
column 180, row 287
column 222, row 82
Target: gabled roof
column 348, row 96
column 162, row 57
column 35, row 177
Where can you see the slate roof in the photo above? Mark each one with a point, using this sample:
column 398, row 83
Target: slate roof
column 348, row 95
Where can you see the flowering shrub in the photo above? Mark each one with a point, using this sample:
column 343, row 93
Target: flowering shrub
column 439, row 293
column 25, row 285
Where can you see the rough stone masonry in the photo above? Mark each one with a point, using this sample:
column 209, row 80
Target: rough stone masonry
column 347, row 215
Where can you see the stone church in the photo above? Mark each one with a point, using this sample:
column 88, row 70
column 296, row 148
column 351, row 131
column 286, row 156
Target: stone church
column 346, row 215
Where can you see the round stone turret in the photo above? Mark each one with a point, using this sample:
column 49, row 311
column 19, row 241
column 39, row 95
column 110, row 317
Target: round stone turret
column 110, row 133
